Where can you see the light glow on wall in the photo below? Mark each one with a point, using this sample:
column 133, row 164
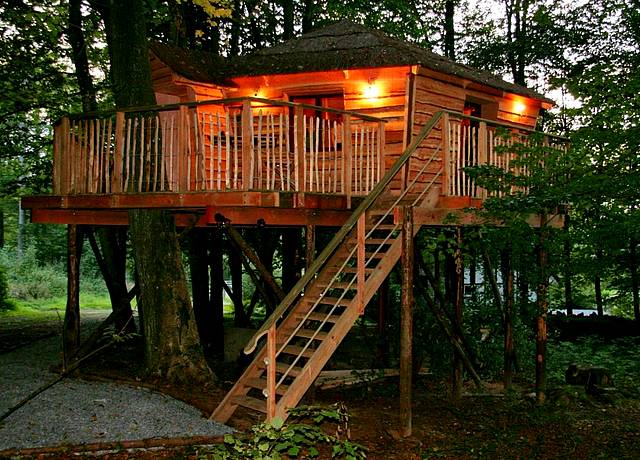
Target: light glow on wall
column 519, row 107
column 371, row 90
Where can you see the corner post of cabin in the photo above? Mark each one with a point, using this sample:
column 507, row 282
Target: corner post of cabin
column 381, row 150
column 348, row 158
column 271, row 373
column 183, row 150
column 446, row 154
column 116, row 177
column 482, row 153
column 247, row 145
column 299, row 149
column 406, row 321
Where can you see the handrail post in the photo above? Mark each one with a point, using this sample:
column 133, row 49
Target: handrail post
column 446, row 156
column 348, row 157
column 247, row 145
column 482, row 152
column 183, row 151
column 299, row 148
column 361, row 261
column 116, row 177
column 270, row 361
column 61, row 158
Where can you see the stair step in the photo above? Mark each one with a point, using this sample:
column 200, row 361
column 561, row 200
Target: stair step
column 326, row 300
column 383, row 227
column 282, row 368
column 319, row 317
column 309, row 333
column 379, row 241
column 344, row 285
column 261, row 384
column 355, row 270
column 259, row 405
column 296, row 350
column 374, row 255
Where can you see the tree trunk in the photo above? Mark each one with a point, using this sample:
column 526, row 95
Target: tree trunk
column 449, row 32
column 308, row 13
column 291, row 238
column 597, row 282
column 287, row 19
column 71, row 335
column 633, row 262
column 172, row 346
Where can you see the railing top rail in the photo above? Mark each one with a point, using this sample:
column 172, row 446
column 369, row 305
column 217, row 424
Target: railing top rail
column 319, row 262
column 504, row 124
column 230, row 101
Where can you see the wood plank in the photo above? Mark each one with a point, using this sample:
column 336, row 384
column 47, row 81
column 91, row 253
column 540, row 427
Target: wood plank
column 251, row 403
column 318, row 317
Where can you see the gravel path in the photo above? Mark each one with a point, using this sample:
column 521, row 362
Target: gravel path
column 77, row 411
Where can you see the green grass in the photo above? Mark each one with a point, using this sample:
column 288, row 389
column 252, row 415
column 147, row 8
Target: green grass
column 52, row 308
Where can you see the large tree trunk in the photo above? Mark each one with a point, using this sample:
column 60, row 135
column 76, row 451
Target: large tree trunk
column 172, row 346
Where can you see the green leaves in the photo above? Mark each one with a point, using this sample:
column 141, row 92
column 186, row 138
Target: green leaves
column 275, row 439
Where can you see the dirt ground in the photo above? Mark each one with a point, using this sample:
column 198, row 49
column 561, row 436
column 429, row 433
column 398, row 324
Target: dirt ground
column 491, row 426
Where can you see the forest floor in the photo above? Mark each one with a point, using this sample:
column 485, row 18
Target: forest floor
column 492, row 426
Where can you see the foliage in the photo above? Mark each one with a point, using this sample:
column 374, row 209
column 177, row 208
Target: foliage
column 275, row 439
column 618, row 356
column 5, row 303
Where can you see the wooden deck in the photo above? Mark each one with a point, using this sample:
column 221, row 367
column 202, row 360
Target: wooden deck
column 254, row 159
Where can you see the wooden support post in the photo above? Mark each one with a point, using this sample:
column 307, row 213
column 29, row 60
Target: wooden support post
column 216, row 275
column 458, row 293
column 271, row 373
column 240, row 318
column 383, row 305
column 118, row 153
column 199, row 269
column 361, row 261
column 347, row 152
column 406, row 322
column 291, row 244
column 71, row 335
column 541, row 321
column 509, row 350
column 183, row 150
column 568, row 297
column 247, row 145
column 310, row 235
column 299, row 149
column 58, row 144
column 446, row 157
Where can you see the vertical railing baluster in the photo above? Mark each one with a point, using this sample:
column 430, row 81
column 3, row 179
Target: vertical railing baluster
column 347, row 163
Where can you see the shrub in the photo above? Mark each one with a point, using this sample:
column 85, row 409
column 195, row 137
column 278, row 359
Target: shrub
column 5, row 303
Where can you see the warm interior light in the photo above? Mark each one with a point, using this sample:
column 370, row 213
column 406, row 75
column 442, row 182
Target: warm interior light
column 371, row 91
column 519, row 107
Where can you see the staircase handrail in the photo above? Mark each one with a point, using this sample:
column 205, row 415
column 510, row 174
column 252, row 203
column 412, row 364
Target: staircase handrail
column 351, row 222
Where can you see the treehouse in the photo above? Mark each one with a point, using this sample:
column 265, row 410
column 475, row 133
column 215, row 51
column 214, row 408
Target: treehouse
column 343, row 127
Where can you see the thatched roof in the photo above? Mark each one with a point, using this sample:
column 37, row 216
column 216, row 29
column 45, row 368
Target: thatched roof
column 193, row 64
column 345, row 45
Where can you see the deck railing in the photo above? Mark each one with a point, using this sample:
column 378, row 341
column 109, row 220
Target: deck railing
column 470, row 142
column 232, row 144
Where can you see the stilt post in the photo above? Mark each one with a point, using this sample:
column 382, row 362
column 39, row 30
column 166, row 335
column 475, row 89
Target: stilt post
column 541, row 321
column 71, row 335
column 406, row 322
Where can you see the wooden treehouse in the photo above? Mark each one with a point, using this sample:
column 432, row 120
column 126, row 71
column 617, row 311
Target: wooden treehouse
column 343, row 127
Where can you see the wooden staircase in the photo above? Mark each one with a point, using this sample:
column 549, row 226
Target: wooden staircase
column 317, row 314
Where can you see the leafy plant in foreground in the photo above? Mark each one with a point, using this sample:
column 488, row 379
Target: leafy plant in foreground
column 277, row 440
